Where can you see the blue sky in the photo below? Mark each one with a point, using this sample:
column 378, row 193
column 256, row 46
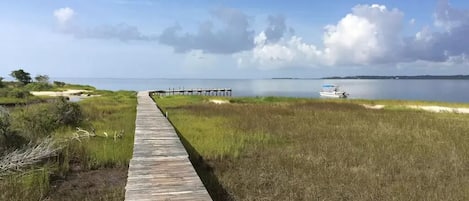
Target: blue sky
column 233, row 39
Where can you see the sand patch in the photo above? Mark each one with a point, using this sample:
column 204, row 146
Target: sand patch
column 218, row 101
column 374, row 107
column 69, row 92
column 429, row 108
column 73, row 95
column 434, row 108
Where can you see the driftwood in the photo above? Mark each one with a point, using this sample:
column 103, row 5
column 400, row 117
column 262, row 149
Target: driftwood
column 32, row 154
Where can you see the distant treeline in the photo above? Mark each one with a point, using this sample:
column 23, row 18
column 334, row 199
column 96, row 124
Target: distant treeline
column 423, row 77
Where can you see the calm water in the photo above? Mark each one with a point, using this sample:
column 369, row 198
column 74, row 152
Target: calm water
column 433, row 90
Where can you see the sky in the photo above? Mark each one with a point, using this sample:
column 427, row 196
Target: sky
column 233, row 38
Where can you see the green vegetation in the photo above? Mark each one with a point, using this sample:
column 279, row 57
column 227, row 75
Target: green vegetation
column 49, row 148
column 111, row 115
column 21, row 76
column 299, row 149
column 42, row 78
column 13, row 93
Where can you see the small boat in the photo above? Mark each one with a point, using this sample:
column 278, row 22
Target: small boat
column 333, row 91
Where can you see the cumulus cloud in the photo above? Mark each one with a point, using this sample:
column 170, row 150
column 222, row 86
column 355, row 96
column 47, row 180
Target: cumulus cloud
column 234, row 36
column 122, row 31
column 63, row 15
column 371, row 35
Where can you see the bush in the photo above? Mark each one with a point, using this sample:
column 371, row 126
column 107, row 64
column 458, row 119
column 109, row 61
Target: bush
column 14, row 93
column 59, row 84
column 35, row 121
column 8, row 137
column 18, row 93
column 4, row 121
column 38, row 86
column 68, row 113
column 38, row 121
column 4, row 92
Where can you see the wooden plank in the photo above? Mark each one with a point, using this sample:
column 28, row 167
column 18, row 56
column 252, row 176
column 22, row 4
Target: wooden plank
column 160, row 168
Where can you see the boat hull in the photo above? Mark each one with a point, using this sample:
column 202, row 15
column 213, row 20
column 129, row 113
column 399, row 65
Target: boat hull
column 335, row 94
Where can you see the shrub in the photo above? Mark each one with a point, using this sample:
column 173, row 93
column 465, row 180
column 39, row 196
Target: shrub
column 38, row 86
column 18, row 93
column 4, row 92
column 59, row 84
column 4, row 121
column 40, row 120
column 42, row 78
column 8, row 137
column 35, row 121
column 68, row 113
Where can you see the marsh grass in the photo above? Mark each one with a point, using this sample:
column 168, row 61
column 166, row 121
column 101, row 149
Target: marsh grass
column 112, row 113
column 286, row 149
column 28, row 186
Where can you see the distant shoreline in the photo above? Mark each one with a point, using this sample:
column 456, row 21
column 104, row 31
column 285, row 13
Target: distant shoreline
column 404, row 77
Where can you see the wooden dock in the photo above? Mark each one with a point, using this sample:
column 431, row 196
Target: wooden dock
column 202, row 92
column 160, row 168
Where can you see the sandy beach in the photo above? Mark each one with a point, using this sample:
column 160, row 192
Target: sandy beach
column 430, row 108
column 72, row 94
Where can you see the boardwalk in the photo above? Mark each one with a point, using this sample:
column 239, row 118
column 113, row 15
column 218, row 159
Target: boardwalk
column 160, row 168
column 204, row 92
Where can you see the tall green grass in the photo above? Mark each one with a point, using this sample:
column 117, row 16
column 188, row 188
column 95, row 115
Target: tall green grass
column 28, row 186
column 301, row 149
column 112, row 113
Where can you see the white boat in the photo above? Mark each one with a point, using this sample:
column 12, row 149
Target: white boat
column 333, row 91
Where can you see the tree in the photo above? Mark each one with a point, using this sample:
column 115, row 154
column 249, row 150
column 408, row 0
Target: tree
column 21, row 76
column 42, row 78
column 1, row 82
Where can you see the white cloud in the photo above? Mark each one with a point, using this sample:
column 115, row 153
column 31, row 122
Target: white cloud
column 285, row 53
column 371, row 35
column 63, row 15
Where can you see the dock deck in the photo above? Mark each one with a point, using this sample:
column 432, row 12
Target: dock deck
column 160, row 168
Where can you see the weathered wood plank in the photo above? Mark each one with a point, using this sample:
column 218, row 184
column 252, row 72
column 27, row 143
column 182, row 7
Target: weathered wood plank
column 160, row 168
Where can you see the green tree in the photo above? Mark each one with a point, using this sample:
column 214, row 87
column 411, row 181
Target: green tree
column 42, row 78
column 1, row 82
column 21, row 76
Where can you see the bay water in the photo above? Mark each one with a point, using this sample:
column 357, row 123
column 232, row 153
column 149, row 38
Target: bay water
column 430, row 90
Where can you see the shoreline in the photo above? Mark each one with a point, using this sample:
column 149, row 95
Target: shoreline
column 429, row 108
column 73, row 95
